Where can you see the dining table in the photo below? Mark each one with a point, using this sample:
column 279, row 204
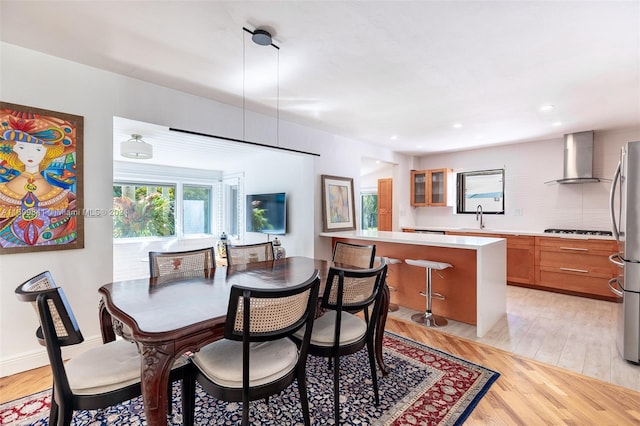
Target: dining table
column 171, row 315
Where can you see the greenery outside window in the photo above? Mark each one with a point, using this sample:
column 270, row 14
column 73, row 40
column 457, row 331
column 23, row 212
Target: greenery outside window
column 143, row 210
column 369, row 219
column 188, row 203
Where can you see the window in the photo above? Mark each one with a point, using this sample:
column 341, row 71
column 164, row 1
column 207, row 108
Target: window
column 196, row 209
column 484, row 188
column 143, row 210
column 159, row 201
column 369, row 217
column 231, row 217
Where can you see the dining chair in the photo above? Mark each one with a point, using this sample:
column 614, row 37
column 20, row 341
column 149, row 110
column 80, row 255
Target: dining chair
column 169, row 262
column 98, row 378
column 257, row 358
column 358, row 255
column 339, row 332
column 241, row 254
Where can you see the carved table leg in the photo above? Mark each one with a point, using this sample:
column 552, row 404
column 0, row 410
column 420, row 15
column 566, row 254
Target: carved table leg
column 106, row 323
column 156, row 366
column 382, row 320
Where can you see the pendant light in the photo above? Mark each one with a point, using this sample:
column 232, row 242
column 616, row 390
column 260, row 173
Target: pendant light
column 136, row 148
column 261, row 37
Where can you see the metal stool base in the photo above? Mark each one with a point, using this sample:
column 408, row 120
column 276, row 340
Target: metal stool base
column 429, row 320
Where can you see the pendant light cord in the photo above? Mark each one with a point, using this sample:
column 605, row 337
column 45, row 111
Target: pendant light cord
column 244, row 95
column 278, row 98
column 244, row 73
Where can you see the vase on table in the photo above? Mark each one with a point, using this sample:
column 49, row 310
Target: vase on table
column 222, row 246
column 279, row 252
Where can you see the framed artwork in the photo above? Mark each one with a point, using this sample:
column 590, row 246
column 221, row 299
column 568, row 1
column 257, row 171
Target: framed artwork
column 41, row 198
column 338, row 208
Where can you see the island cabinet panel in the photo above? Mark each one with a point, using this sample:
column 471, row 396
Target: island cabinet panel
column 520, row 255
column 576, row 266
column 456, row 284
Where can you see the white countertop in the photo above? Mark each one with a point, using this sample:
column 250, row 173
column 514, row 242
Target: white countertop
column 512, row 232
column 437, row 240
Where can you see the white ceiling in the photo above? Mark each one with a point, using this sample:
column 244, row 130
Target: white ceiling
column 369, row 69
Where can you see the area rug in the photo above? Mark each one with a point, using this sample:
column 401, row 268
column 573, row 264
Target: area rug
column 425, row 386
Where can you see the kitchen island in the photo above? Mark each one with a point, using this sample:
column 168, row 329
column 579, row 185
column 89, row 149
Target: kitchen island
column 475, row 288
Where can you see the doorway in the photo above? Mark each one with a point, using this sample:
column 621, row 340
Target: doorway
column 385, row 204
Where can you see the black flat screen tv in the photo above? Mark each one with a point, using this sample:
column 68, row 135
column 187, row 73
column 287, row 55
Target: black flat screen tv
column 267, row 213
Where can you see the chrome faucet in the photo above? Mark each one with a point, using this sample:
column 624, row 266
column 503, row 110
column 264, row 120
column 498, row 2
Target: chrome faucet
column 479, row 213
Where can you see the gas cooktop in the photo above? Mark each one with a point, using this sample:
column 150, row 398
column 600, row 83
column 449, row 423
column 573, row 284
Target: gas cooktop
column 578, row 231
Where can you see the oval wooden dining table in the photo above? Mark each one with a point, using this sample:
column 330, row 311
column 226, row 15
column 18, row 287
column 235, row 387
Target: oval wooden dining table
column 170, row 315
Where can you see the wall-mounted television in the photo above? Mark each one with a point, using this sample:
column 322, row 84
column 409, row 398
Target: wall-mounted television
column 267, row 213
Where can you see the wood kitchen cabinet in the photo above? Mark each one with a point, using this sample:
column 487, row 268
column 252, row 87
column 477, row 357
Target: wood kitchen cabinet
column 432, row 187
column 520, row 255
column 575, row 266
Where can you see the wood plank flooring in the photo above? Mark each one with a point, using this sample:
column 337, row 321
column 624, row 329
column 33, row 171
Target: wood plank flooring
column 528, row 392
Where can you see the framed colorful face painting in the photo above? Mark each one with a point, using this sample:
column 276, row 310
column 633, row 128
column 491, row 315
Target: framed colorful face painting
column 40, row 180
column 338, row 209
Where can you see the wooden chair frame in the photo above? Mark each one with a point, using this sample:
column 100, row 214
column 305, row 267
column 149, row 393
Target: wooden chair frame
column 247, row 393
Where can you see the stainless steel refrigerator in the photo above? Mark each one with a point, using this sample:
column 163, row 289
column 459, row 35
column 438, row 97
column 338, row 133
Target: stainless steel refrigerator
column 625, row 217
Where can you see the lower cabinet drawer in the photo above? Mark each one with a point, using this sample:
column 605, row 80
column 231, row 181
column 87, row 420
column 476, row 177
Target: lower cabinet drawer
column 575, row 282
column 577, row 262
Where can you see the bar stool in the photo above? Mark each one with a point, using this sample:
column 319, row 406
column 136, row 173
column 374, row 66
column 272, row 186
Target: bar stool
column 391, row 261
column 428, row 318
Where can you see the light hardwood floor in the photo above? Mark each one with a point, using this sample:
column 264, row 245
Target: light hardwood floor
column 528, row 392
column 574, row 333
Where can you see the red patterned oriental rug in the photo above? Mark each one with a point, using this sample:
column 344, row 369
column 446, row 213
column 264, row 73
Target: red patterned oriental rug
column 425, row 386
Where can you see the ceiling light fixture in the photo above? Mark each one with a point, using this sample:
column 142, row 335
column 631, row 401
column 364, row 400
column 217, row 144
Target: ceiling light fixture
column 547, row 107
column 457, row 125
column 261, row 37
column 136, row 148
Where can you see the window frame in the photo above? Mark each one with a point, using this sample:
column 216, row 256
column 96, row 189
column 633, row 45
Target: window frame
column 138, row 174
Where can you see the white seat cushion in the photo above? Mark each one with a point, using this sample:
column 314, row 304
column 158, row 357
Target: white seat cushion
column 105, row 368
column 221, row 361
column 352, row 329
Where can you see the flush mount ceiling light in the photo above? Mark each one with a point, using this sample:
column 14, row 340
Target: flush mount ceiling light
column 136, row 148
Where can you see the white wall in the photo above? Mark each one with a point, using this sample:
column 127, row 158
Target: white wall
column 34, row 79
column 527, row 167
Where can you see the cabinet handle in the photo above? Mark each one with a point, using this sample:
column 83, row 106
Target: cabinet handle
column 574, row 270
column 616, row 260
column 617, row 291
column 574, row 248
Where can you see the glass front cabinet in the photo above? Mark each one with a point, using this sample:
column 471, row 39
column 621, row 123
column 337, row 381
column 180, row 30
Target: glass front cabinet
column 432, row 187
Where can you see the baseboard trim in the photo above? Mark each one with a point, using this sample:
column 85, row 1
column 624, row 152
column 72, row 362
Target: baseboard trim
column 38, row 358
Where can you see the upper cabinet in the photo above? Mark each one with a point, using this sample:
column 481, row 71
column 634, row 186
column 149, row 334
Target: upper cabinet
column 432, row 187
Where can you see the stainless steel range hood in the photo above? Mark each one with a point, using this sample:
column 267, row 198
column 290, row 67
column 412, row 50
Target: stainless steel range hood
column 578, row 158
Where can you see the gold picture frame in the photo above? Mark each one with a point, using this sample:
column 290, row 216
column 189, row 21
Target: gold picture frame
column 41, row 192
column 338, row 204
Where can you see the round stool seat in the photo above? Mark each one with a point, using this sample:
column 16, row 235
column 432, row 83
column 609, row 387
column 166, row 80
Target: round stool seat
column 428, row 264
column 390, row 260
column 428, row 318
